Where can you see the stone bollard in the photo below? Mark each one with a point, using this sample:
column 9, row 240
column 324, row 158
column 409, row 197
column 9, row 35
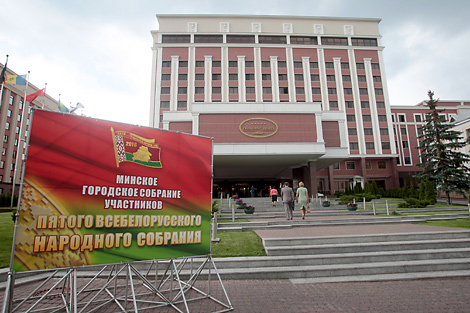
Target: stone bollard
column 373, row 206
column 214, row 229
column 364, row 200
column 386, row 204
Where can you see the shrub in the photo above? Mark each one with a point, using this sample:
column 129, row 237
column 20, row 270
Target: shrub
column 413, row 203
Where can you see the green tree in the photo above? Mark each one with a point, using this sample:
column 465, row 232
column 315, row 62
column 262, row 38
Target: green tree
column 443, row 162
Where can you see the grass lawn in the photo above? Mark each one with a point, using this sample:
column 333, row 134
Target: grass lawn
column 233, row 244
column 6, row 240
column 460, row 223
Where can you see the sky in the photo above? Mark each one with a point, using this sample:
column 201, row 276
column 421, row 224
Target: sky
column 98, row 52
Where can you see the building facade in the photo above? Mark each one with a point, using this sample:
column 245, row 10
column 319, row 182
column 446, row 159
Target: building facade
column 12, row 105
column 285, row 98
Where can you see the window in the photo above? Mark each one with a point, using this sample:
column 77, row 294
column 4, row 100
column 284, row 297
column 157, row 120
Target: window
column 165, row 90
column 370, row 146
column 272, row 39
column 351, row 165
column 21, row 104
column 216, row 90
column 4, row 152
column 405, row 144
column 5, row 138
column 366, row 118
column 360, row 66
column 370, row 42
column 183, row 64
column 350, row 104
column 283, row 90
column 249, row 64
column 368, row 165
column 334, row 41
column 381, row 164
column 299, row 77
column 298, row 64
column 368, row 132
column 166, row 63
column 333, row 104
column 315, row 77
column 401, row 118
column 300, row 90
column 208, row 38
column 250, row 76
column 176, row 38
column 377, row 79
column 418, row 118
column 250, row 90
column 384, row 131
column 316, row 90
column 182, row 104
column 361, row 78
column 216, row 76
column 313, row 64
column 336, row 166
column 266, row 76
column 363, row 91
column 182, row 90
column 267, row 90
column 9, row 113
column 407, row 160
column 385, row 145
column 329, row 65
column 330, row 78
column 403, row 130
column 200, row 63
column 164, row 104
column 348, row 91
column 282, row 76
column 344, row 66
column 375, row 66
column 265, row 64
column 380, row 105
column 11, row 100
column 199, row 90
column 233, row 90
column 332, row 91
column 166, row 76
column 350, row 118
column 17, row 129
column 216, row 64
column 379, row 91
column 282, row 64
column 382, row 118
column 182, row 76
column 352, row 131
column 232, row 76
column 365, row 104
column 301, row 40
column 240, row 39
column 346, row 78
column 232, row 63
column 199, row 77
column 2, row 164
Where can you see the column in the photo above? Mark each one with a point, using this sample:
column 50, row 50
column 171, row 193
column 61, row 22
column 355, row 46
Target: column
column 313, row 178
column 208, row 78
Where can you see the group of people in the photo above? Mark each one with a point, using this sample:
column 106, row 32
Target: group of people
column 289, row 199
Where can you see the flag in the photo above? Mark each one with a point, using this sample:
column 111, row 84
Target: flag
column 63, row 108
column 15, row 80
column 34, row 95
column 2, row 75
column 133, row 148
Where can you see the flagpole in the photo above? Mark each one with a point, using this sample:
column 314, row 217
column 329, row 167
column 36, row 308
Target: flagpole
column 44, row 98
column 3, row 83
column 18, row 154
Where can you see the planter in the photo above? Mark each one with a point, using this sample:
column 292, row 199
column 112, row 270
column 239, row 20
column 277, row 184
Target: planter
column 325, row 205
column 249, row 211
column 241, row 207
column 352, row 207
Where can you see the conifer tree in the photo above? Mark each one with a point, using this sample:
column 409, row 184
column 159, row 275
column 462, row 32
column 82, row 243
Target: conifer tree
column 443, row 162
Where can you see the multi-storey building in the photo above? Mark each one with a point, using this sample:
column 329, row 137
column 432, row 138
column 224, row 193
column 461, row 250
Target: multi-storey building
column 12, row 105
column 284, row 98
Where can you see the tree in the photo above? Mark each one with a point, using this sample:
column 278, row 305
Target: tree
column 443, row 163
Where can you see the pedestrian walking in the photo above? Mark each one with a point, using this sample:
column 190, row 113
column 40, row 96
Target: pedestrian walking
column 288, row 198
column 273, row 193
column 302, row 199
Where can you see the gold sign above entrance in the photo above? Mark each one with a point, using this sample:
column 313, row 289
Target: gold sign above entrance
column 258, row 127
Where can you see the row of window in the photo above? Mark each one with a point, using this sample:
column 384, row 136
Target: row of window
column 369, row 145
column 366, row 118
column 280, row 64
column 263, row 39
column 267, row 77
column 368, row 131
column 268, row 90
column 352, row 165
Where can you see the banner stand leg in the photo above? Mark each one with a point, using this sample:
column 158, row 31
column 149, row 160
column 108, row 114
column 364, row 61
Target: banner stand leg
column 186, row 283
